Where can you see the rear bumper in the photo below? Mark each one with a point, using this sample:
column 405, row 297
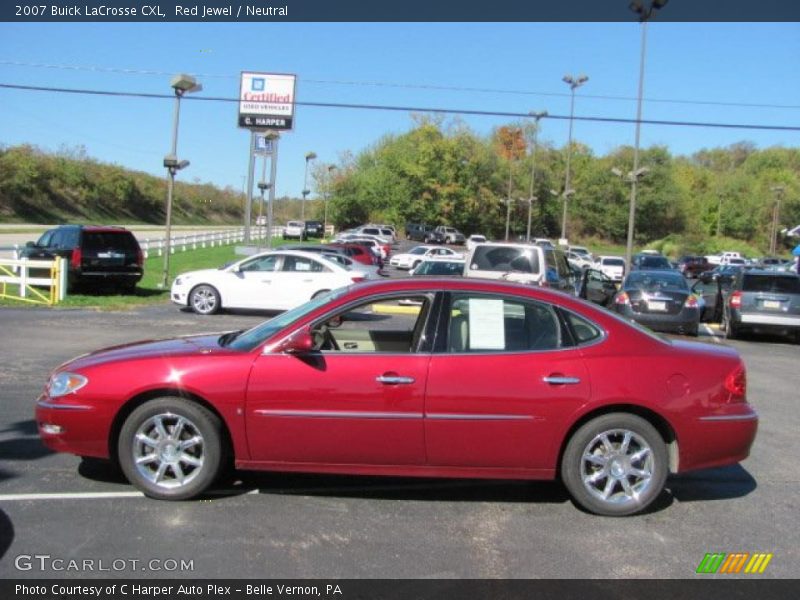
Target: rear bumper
column 719, row 440
column 762, row 319
column 686, row 320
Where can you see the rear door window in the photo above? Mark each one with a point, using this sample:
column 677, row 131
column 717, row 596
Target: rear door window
column 96, row 243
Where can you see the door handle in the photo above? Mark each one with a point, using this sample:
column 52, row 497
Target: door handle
column 394, row 380
column 561, row 380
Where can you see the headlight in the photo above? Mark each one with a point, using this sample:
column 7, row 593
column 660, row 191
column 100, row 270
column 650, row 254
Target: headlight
column 65, row 383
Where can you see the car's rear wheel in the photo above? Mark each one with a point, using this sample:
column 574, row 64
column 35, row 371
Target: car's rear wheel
column 171, row 448
column 615, row 465
column 204, row 300
column 731, row 330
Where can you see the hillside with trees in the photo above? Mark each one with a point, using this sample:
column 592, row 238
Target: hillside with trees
column 36, row 187
column 445, row 173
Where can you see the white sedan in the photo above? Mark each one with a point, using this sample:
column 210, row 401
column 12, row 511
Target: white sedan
column 277, row 280
column 411, row 259
column 474, row 240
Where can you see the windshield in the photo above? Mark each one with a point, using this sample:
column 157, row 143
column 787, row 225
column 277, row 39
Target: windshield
column 613, row 262
column 440, row 267
column 260, row 333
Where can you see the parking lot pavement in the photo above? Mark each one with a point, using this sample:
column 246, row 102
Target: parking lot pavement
column 280, row 525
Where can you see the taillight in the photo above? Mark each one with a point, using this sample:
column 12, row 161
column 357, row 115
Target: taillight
column 736, row 384
column 736, row 300
column 691, row 302
column 357, row 278
column 140, row 257
column 75, row 259
column 622, row 298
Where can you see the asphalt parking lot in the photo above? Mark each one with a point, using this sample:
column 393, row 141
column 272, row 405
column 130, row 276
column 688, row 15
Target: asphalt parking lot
column 293, row 526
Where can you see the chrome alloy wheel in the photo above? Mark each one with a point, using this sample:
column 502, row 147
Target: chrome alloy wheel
column 617, row 467
column 204, row 300
column 168, row 451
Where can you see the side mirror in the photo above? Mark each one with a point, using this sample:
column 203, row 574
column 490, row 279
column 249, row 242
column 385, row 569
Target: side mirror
column 300, row 342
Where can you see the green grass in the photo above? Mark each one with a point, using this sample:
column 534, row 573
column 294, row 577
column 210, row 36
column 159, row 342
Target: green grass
column 148, row 291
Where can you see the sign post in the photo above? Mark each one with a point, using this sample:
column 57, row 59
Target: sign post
column 266, row 107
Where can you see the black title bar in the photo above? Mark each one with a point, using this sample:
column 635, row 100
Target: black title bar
column 268, row 11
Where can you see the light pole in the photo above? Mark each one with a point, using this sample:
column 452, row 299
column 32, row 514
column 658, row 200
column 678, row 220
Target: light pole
column 331, row 168
column 309, row 157
column 776, row 211
column 573, row 83
column 638, row 7
column 633, row 178
column 182, row 84
column 537, row 116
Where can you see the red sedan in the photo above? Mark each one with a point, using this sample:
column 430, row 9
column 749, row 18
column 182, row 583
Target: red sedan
column 481, row 379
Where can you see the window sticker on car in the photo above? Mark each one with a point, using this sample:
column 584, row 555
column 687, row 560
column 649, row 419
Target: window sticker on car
column 486, row 324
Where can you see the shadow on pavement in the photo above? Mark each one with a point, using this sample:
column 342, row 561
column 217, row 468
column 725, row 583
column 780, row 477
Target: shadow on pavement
column 6, row 533
column 712, row 484
column 25, row 443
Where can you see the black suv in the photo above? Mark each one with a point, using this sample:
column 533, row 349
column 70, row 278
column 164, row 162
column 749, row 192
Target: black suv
column 315, row 229
column 763, row 301
column 95, row 254
column 417, row 231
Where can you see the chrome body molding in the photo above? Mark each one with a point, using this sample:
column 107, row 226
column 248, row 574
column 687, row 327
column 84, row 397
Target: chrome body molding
column 751, row 417
column 49, row 404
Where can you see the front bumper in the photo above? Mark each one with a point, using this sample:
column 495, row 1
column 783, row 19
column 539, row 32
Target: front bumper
column 66, row 424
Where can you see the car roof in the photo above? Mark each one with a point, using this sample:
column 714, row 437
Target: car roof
column 445, row 259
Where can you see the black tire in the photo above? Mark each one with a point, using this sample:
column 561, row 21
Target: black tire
column 602, row 478
column 731, row 330
column 204, row 299
column 173, row 472
column 693, row 331
column 416, row 264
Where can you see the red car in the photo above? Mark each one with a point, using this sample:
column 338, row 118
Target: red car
column 488, row 379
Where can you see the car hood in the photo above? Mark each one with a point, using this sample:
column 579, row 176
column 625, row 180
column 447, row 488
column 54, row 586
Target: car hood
column 203, row 273
column 181, row 346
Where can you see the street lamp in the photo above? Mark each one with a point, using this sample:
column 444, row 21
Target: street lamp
column 182, row 84
column 537, row 116
column 331, row 168
column 309, row 157
column 776, row 211
column 573, row 83
column 644, row 15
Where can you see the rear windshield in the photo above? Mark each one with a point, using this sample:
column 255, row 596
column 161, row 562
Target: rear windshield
column 654, row 262
column 770, row 283
column 100, row 241
column 505, row 258
column 650, row 281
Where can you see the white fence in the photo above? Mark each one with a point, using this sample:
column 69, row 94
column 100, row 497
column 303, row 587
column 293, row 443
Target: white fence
column 16, row 272
column 193, row 241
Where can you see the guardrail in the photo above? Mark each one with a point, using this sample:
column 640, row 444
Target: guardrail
column 16, row 272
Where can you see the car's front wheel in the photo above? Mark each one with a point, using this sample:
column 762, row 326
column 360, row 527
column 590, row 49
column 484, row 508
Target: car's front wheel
column 615, row 465
column 171, row 448
column 204, row 300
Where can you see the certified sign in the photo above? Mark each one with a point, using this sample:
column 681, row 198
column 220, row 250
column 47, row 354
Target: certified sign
column 266, row 101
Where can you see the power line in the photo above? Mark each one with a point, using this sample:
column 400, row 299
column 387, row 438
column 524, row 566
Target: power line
column 447, row 88
column 483, row 113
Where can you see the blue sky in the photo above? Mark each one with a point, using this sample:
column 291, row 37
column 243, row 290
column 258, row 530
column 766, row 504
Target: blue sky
column 701, row 72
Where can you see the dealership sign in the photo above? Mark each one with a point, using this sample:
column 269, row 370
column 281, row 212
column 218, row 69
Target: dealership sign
column 266, row 101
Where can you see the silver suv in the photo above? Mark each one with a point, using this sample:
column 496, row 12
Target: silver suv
column 521, row 263
column 451, row 234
